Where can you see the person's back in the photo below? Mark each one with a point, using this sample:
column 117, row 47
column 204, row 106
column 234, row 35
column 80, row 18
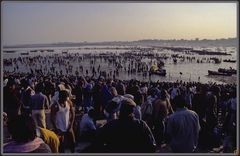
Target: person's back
column 174, row 92
column 126, row 134
column 120, row 88
column 160, row 112
column 183, row 128
column 198, row 104
column 11, row 99
column 78, row 92
column 24, row 139
column 38, row 101
column 211, row 111
column 38, row 104
column 87, row 123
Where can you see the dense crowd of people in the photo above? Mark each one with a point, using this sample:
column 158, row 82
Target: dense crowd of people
column 139, row 117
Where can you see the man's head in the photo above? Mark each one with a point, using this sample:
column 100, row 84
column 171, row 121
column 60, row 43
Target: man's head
column 60, row 87
column 215, row 90
column 109, row 82
column 113, row 91
column 92, row 114
column 24, row 83
column 63, row 95
column 39, row 87
column 113, row 106
column 11, row 83
column 127, row 108
column 163, row 94
column 179, row 101
column 22, row 128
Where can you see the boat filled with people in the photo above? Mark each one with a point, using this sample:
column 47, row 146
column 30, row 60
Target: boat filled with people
column 230, row 70
column 25, row 53
column 229, row 60
column 157, row 71
column 210, row 72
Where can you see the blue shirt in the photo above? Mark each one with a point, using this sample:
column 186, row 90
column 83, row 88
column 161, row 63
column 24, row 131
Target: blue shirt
column 86, row 124
column 183, row 127
column 39, row 101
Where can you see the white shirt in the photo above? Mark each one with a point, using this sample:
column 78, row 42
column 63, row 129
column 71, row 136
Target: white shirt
column 63, row 117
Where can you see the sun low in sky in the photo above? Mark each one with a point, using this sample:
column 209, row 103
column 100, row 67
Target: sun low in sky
column 52, row 22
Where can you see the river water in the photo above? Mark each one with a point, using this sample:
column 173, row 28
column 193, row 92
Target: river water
column 191, row 70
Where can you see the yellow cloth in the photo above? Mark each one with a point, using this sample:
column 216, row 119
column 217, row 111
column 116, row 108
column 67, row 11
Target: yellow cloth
column 51, row 139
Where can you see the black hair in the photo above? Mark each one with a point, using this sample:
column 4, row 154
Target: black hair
column 92, row 113
column 39, row 87
column 179, row 101
column 112, row 105
column 24, row 83
column 163, row 94
column 22, row 128
column 11, row 82
column 63, row 94
column 126, row 109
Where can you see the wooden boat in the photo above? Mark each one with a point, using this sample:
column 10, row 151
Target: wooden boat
column 33, row 51
column 157, row 71
column 50, row 50
column 25, row 53
column 231, row 71
column 217, row 61
column 160, row 72
column 210, row 72
column 231, row 61
column 9, row 51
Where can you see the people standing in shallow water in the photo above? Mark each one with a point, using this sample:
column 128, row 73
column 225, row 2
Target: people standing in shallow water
column 71, row 80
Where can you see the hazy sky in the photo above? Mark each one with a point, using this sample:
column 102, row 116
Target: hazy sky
column 45, row 22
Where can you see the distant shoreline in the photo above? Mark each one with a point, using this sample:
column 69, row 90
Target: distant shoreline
column 230, row 42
